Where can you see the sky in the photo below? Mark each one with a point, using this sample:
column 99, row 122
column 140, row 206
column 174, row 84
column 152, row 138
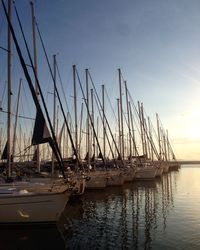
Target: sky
column 156, row 44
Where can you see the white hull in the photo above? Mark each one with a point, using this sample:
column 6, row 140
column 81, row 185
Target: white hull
column 159, row 171
column 115, row 178
column 165, row 168
column 97, row 180
column 129, row 175
column 145, row 173
column 17, row 205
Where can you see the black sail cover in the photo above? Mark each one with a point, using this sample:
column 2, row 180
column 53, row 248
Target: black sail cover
column 40, row 133
column 5, row 152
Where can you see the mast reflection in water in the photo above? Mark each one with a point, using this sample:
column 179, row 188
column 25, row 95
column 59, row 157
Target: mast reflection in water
column 163, row 214
column 127, row 217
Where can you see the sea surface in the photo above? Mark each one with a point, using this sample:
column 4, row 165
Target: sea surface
column 161, row 214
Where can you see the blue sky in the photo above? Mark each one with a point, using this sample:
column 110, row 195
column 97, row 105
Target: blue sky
column 156, row 43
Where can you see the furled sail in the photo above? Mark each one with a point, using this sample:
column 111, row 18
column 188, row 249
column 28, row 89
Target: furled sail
column 4, row 154
column 40, row 133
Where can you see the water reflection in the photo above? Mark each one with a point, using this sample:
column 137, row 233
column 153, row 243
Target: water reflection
column 30, row 238
column 163, row 214
column 125, row 217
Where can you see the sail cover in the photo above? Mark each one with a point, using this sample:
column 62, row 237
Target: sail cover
column 5, row 152
column 40, row 133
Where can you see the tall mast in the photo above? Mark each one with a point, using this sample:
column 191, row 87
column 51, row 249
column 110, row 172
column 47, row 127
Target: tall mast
column 75, row 108
column 147, row 139
column 141, row 128
column 67, row 137
column 54, row 110
column 1, row 132
column 9, row 92
column 168, row 150
column 121, row 114
column 119, row 127
column 144, row 130
column 165, row 146
column 16, row 118
column 80, row 131
column 92, row 104
column 104, row 128
column 150, row 136
column 88, row 120
column 129, row 127
column 132, row 128
column 63, row 146
column 36, row 72
column 97, row 150
column 159, row 139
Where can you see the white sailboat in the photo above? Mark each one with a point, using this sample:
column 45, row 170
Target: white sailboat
column 37, row 201
column 32, row 204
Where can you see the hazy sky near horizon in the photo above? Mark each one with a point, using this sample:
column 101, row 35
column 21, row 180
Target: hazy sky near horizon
column 156, row 43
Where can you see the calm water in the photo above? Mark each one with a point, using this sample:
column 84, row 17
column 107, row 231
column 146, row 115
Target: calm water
column 163, row 214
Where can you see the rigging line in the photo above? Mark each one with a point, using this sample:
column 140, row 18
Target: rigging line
column 137, row 114
column 3, row 93
column 135, row 122
column 135, row 108
column 155, row 134
column 1, row 23
column 61, row 83
column 152, row 143
column 61, row 106
column 91, row 121
column 48, row 90
column 153, row 129
column 23, row 151
column 106, row 120
column 4, row 49
column 134, row 143
column 53, row 142
column 110, row 146
column 22, row 106
column 110, row 104
column 163, row 131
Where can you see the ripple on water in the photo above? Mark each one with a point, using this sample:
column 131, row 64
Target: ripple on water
column 160, row 215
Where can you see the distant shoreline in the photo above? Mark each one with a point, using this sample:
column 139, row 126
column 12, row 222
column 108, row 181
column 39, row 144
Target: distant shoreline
column 188, row 162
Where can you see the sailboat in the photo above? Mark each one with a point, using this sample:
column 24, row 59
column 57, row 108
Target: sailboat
column 34, row 202
column 31, row 203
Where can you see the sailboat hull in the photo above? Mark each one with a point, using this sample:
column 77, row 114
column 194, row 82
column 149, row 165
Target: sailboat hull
column 32, row 207
column 97, row 180
column 145, row 173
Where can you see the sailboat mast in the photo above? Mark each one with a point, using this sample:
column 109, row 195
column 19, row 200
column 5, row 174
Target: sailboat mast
column 97, row 150
column 54, row 111
column 168, row 150
column 104, row 129
column 141, row 127
column 16, row 118
column 1, row 133
column 159, row 139
column 144, row 130
column 121, row 114
column 129, row 127
column 75, row 108
column 36, row 72
column 88, row 119
column 80, row 131
column 92, row 116
column 132, row 128
column 119, row 127
column 150, row 136
column 9, row 91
